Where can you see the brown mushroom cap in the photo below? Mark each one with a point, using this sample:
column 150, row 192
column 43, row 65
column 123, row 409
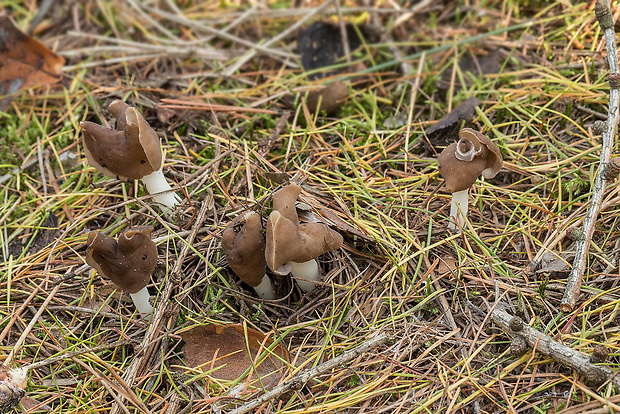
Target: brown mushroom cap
column 244, row 245
column 127, row 262
column 289, row 241
column 462, row 162
column 284, row 201
column 330, row 98
column 130, row 151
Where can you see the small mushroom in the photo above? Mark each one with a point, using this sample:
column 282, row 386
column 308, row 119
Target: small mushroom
column 330, row 98
column 293, row 247
column 244, row 244
column 131, row 151
column 461, row 163
column 128, row 262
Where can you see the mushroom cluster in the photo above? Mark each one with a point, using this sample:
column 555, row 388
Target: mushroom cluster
column 460, row 165
column 290, row 247
column 128, row 262
column 132, row 150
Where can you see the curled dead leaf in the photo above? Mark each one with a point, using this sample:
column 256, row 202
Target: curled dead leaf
column 25, row 62
column 446, row 129
column 222, row 351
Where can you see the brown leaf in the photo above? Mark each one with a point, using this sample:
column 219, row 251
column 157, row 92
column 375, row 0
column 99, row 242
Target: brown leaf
column 222, row 350
column 445, row 130
column 25, row 62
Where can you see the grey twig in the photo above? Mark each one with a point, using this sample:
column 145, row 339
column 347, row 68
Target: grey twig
column 299, row 380
column 525, row 336
column 573, row 283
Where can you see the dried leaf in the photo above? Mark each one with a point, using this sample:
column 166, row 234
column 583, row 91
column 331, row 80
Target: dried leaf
column 222, row 350
column 25, row 62
column 329, row 98
column 330, row 218
column 447, row 264
column 445, row 130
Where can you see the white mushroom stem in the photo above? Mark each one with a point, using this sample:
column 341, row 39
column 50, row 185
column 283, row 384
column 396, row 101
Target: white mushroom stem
column 306, row 270
column 264, row 290
column 458, row 209
column 157, row 186
column 141, row 300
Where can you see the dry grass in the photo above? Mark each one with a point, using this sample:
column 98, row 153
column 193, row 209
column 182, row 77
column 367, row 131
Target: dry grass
column 192, row 71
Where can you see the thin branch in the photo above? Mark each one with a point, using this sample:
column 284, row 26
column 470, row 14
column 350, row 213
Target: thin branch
column 573, row 283
column 299, row 380
column 525, row 335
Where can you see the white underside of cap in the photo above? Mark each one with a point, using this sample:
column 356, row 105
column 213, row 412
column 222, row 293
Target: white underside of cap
column 306, row 270
column 156, row 185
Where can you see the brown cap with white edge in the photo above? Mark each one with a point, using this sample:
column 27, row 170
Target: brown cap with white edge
column 127, row 262
column 462, row 162
column 132, row 150
column 289, row 241
column 244, row 245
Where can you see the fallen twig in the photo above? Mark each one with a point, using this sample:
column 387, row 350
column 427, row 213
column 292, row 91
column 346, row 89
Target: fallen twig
column 573, row 283
column 299, row 380
column 524, row 336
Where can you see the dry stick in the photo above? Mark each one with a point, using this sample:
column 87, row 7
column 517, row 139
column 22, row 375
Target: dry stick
column 573, row 283
column 558, row 234
column 150, row 342
column 514, row 327
column 299, row 380
column 26, row 164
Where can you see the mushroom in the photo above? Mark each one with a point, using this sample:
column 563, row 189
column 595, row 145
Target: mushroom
column 244, row 245
column 131, row 151
column 293, row 247
column 461, row 163
column 329, row 98
column 128, row 262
